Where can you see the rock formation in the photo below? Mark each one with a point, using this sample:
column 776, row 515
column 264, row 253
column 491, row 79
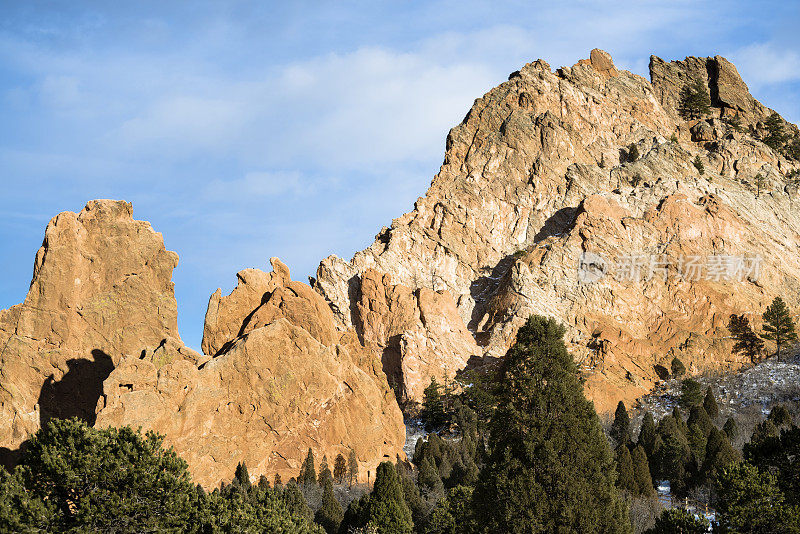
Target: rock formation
column 101, row 289
column 282, row 380
column 539, row 176
column 97, row 338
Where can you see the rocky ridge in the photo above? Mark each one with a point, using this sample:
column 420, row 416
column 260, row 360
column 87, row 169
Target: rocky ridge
column 538, row 175
column 97, row 338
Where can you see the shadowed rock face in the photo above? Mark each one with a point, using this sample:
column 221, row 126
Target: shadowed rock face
column 282, row 380
column 537, row 174
column 101, row 288
column 97, row 338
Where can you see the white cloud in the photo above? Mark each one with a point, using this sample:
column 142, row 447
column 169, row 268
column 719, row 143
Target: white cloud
column 766, row 63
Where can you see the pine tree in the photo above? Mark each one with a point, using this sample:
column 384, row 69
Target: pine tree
column 352, row 468
column 330, row 514
column 691, row 393
column 695, row 101
column 678, row 369
column 710, row 404
column 433, row 414
column 641, row 472
column 745, row 340
column 621, row 428
column 625, row 474
column 698, row 164
column 778, row 325
column 277, row 482
column 324, row 472
column 776, row 136
column 671, row 454
column 647, row 434
column 679, row 521
column 678, row 416
column 719, row 454
column 339, row 468
column 387, row 511
column 241, row 475
column 780, row 415
column 731, row 429
column 549, row 466
column 428, row 478
column 750, row 501
column 308, row 473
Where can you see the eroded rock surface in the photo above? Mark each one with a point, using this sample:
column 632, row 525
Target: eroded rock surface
column 540, row 172
column 102, row 288
column 282, row 380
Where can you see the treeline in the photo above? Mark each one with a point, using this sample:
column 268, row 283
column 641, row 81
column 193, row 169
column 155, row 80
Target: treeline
column 525, row 452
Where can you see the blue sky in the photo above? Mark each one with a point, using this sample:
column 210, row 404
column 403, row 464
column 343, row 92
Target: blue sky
column 245, row 130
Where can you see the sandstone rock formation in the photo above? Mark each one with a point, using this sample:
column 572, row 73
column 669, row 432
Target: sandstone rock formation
column 97, row 338
column 282, row 380
column 538, row 175
column 101, row 288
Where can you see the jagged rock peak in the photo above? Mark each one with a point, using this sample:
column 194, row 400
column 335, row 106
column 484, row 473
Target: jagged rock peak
column 543, row 169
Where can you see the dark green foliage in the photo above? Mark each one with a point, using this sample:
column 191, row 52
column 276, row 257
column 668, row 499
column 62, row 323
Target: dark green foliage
column 641, row 472
column 428, row 478
column 682, row 425
column 308, row 473
column 330, row 514
column 746, row 341
column 241, row 476
column 647, row 434
column 731, row 429
column 352, row 468
column 549, row 467
column 691, row 393
column 386, row 509
column 695, row 101
column 780, row 416
column 79, row 479
column 776, row 136
column 625, row 476
column 719, row 455
column 452, row 514
column 778, row 325
column 433, row 414
column 355, row 516
column 750, row 501
column 621, row 428
column 679, row 521
column 277, row 482
column 324, row 472
column 698, row 164
column 672, row 454
column 678, row 369
column 710, row 404
column 778, row 455
column 339, row 468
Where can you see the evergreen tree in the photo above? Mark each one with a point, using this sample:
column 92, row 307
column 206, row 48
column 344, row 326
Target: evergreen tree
column 352, row 468
column 672, row 454
column 428, row 478
column 330, row 514
column 621, row 428
column 452, row 515
column 433, row 413
column 779, row 455
column 277, row 482
column 691, row 393
column 719, row 454
column 339, row 468
column 625, row 474
column 678, row 416
column 731, row 429
column 387, row 511
column 749, row 501
column 549, row 466
column 780, row 416
column 776, row 136
column 710, row 404
column 647, row 434
column 695, row 101
column 698, row 164
column 745, row 340
column 679, row 521
column 308, row 473
column 678, row 369
column 324, row 472
column 241, row 475
column 778, row 325
column 641, row 472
